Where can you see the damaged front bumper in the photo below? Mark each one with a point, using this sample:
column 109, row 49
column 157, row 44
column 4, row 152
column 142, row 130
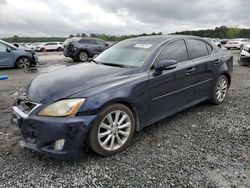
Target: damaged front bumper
column 59, row 137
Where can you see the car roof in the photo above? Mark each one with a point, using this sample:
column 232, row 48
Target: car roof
column 162, row 38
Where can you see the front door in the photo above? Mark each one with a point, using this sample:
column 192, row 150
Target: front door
column 172, row 90
column 6, row 57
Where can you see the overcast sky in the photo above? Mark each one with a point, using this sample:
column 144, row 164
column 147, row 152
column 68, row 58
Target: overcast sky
column 64, row 17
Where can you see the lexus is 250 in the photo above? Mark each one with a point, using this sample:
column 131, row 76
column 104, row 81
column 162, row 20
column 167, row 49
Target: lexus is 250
column 132, row 84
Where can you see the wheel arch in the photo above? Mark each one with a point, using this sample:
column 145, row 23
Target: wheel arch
column 228, row 77
column 128, row 105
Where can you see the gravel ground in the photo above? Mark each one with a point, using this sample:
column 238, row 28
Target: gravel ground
column 204, row 146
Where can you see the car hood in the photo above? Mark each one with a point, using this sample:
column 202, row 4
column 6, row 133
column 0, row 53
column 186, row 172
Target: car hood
column 56, row 85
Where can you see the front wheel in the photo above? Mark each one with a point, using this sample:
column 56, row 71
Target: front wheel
column 220, row 90
column 112, row 131
column 23, row 62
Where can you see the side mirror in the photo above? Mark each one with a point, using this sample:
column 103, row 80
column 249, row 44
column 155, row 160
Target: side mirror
column 165, row 65
column 8, row 49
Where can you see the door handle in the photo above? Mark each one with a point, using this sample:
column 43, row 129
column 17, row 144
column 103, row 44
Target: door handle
column 216, row 62
column 190, row 70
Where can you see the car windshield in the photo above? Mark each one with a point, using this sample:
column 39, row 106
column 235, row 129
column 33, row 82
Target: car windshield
column 127, row 54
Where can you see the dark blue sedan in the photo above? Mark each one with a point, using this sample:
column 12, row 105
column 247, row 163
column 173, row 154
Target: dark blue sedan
column 133, row 84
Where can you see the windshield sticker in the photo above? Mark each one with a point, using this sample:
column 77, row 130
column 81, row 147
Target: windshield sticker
column 143, row 45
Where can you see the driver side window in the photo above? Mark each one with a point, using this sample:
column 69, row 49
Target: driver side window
column 176, row 50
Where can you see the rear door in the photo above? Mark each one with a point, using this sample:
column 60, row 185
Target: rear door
column 204, row 63
column 173, row 89
column 6, row 57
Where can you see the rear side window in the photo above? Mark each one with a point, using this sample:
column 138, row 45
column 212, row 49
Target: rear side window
column 174, row 51
column 197, row 48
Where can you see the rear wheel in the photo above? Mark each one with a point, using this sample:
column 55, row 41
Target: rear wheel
column 220, row 90
column 82, row 56
column 228, row 48
column 23, row 62
column 113, row 130
column 59, row 49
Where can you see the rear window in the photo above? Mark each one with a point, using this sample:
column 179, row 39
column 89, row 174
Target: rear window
column 197, row 48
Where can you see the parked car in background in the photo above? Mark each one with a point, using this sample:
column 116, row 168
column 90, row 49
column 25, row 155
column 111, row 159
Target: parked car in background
column 216, row 42
column 11, row 56
column 50, row 46
column 237, row 43
column 224, row 41
column 80, row 49
column 22, row 46
column 244, row 56
column 131, row 85
column 30, row 46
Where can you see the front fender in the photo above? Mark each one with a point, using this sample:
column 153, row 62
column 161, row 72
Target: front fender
column 131, row 92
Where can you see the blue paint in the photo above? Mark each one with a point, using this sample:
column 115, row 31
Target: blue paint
column 3, row 77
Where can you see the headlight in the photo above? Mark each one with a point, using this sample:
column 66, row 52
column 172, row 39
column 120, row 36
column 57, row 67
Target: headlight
column 67, row 107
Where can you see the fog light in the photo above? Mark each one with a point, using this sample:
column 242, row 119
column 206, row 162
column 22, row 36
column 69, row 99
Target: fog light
column 59, row 144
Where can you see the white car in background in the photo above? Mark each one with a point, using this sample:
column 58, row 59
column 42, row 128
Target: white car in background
column 50, row 46
column 216, row 42
column 237, row 43
column 244, row 56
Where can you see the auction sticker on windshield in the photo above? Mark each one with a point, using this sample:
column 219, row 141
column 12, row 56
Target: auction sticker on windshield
column 143, row 45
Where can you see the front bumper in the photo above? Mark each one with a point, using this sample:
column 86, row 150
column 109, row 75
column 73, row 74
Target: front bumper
column 40, row 133
column 34, row 60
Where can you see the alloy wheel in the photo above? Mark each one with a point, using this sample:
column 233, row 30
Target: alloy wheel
column 114, row 130
column 23, row 62
column 83, row 56
column 221, row 90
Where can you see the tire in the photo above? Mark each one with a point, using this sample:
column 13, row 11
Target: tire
column 103, row 134
column 59, row 49
column 228, row 48
column 23, row 62
column 82, row 56
column 220, row 90
column 219, row 46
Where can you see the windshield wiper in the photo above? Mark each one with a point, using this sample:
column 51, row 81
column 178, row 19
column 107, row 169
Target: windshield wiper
column 115, row 65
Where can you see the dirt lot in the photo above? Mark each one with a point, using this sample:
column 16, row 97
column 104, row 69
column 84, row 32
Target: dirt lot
column 204, row 146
